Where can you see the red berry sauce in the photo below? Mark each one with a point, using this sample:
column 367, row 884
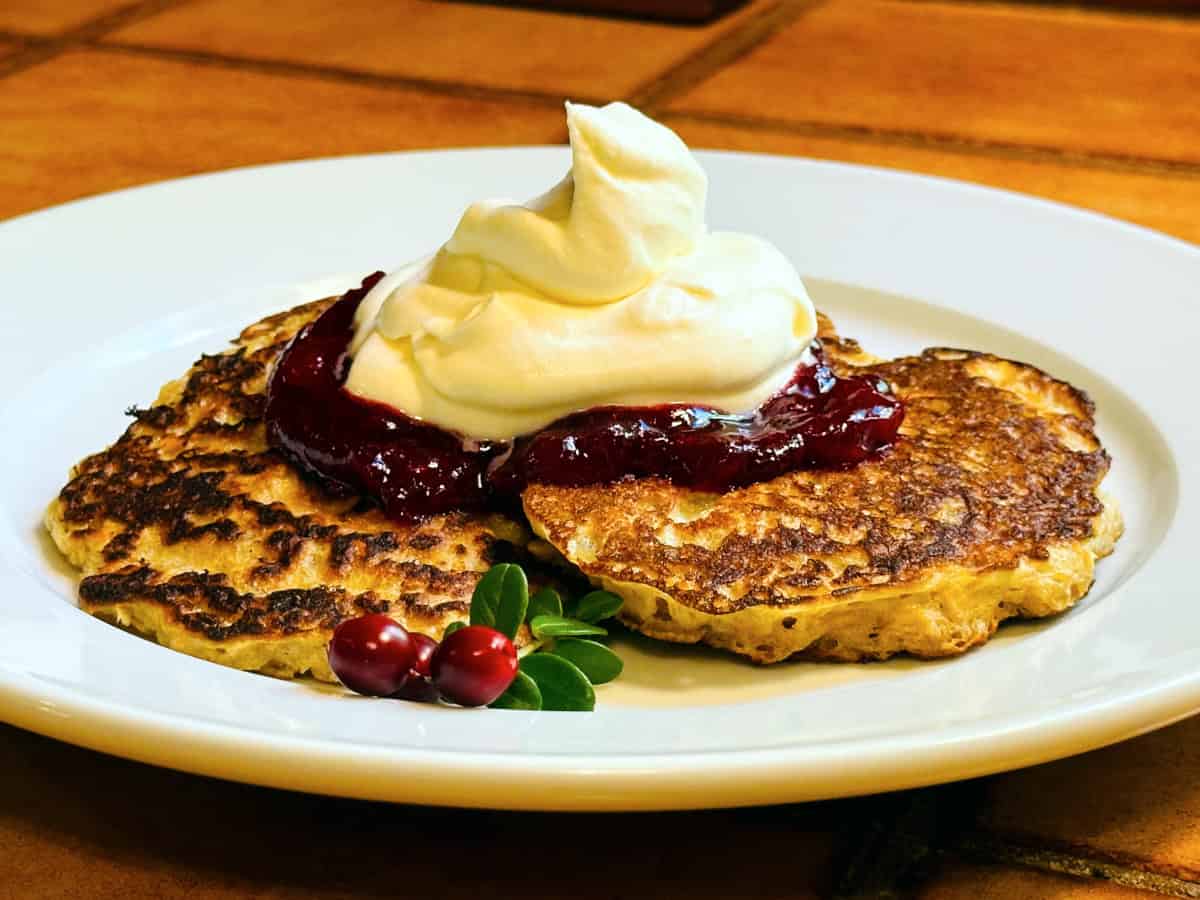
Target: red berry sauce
column 818, row 420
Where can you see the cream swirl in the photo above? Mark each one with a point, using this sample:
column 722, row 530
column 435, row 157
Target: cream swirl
column 607, row 290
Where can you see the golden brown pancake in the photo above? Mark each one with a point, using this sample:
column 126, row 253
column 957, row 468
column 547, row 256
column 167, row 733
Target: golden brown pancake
column 192, row 531
column 987, row 508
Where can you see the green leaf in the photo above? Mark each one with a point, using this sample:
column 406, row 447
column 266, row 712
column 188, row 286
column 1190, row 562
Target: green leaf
column 556, row 626
column 523, row 693
column 598, row 605
column 500, row 599
column 545, row 602
column 486, row 598
column 596, row 661
column 563, row 686
column 570, row 604
column 451, row 628
column 514, row 600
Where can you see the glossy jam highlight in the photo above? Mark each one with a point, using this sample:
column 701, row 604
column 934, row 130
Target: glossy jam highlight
column 414, row 469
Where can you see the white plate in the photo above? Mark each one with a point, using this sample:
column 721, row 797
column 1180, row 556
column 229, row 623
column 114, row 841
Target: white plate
column 106, row 298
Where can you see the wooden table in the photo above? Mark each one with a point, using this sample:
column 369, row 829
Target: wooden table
column 1097, row 108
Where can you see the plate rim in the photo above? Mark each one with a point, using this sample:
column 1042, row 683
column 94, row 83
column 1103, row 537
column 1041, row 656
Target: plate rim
column 700, row 150
column 579, row 783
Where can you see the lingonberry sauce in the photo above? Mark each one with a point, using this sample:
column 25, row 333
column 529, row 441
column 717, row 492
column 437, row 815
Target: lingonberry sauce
column 414, row 469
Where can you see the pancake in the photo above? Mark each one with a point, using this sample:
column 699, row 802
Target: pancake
column 988, row 507
column 191, row 531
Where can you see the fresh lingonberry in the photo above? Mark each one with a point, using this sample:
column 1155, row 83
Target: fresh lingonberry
column 372, row 654
column 426, row 647
column 417, row 686
column 474, row 666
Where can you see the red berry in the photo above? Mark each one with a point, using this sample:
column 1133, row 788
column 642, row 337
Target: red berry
column 418, row 686
column 426, row 647
column 418, row 689
column 474, row 666
column 372, row 654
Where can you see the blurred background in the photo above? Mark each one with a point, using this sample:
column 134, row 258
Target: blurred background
column 1095, row 105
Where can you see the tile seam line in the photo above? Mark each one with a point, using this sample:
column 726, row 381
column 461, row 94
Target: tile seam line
column 41, row 49
column 291, row 69
column 983, row 849
column 29, row 56
column 106, row 23
column 24, row 37
column 723, row 50
column 920, row 140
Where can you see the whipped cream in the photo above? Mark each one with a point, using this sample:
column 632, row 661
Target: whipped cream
column 606, row 290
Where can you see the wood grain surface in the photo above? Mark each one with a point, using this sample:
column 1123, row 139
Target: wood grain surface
column 1096, row 107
